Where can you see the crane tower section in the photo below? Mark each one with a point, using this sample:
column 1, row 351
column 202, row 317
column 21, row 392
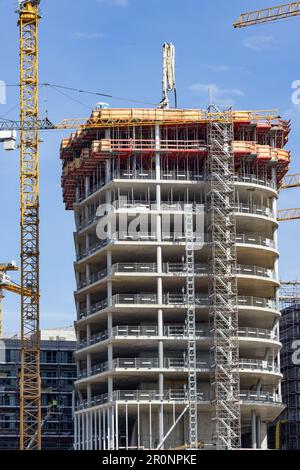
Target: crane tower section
column 30, row 387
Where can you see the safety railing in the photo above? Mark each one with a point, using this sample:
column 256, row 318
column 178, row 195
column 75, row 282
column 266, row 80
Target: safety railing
column 173, row 331
column 258, row 333
column 169, row 331
column 253, row 209
column 94, row 277
column 172, row 269
column 253, row 179
column 245, row 270
column 175, row 237
column 143, row 268
column 138, row 236
column 134, row 299
column 177, row 364
column 255, row 240
column 256, row 364
column 150, row 145
column 176, row 206
column 246, row 301
column 93, row 249
column 172, row 395
column 175, row 175
column 174, row 300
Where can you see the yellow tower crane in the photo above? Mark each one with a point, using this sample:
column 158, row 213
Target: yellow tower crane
column 30, row 383
column 4, row 269
column 289, row 182
column 267, row 15
column 6, row 284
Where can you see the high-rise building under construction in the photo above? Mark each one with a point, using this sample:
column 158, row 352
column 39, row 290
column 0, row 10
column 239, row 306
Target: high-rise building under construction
column 133, row 178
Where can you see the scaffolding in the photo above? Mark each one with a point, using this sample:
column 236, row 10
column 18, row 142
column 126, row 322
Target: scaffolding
column 223, row 311
column 191, row 327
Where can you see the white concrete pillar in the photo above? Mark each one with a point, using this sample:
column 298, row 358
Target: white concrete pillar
column 253, row 430
column 264, row 436
column 77, row 193
column 75, row 432
column 100, row 430
column 96, row 431
column 109, row 293
column 109, row 261
column 108, row 202
column 108, row 422
column 87, row 434
column 87, row 273
column 88, row 304
column 117, row 427
column 107, row 168
column 83, row 431
column 258, row 431
column 110, row 389
column 87, row 186
column 88, row 333
column 157, row 155
column 89, row 364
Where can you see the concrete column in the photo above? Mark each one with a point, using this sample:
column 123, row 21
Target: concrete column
column 75, row 433
column 258, row 431
column 109, row 261
column 109, row 321
column 110, row 355
column 110, row 388
column 253, row 430
column 107, row 171
column 87, row 186
column 157, row 155
column 89, row 393
column 108, row 202
column 77, row 193
column 88, row 303
column 87, row 273
column 87, row 242
column 264, row 436
column 109, row 293
column 88, row 364
column 258, row 386
column 88, row 332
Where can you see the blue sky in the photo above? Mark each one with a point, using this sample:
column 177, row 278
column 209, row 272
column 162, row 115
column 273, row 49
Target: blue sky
column 114, row 46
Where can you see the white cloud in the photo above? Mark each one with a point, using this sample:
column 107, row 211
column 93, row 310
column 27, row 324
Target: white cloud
column 117, row 3
column 260, row 42
column 82, row 35
column 223, row 97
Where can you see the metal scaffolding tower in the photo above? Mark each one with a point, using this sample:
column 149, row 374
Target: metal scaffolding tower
column 191, row 327
column 222, row 288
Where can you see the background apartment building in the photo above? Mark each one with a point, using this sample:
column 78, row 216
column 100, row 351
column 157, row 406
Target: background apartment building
column 58, row 372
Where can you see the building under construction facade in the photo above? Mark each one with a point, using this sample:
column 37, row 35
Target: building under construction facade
column 58, row 372
column 177, row 277
column 288, row 424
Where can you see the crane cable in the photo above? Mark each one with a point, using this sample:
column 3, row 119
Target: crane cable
column 88, row 92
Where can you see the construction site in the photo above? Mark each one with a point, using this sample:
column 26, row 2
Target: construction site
column 185, row 331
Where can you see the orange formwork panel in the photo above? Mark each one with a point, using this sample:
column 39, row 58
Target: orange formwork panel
column 83, row 150
column 139, row 116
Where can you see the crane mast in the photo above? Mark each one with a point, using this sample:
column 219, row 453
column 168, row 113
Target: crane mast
column 30, row 384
